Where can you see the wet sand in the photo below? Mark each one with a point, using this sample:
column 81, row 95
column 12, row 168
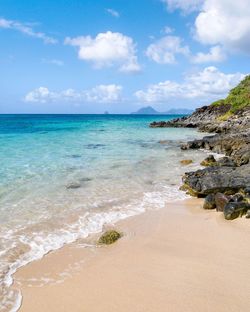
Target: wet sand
column 177, row 259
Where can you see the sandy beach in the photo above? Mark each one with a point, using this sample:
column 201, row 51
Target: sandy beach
column 180, row 258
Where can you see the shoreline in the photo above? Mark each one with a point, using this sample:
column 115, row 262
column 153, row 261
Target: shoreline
column 76, row 278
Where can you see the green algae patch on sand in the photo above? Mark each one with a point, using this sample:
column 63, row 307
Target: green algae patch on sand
column 109, row 237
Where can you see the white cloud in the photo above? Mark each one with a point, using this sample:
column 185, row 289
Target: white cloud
column 210, row 83
column 107, row 49
column 168, row 30
column 215, row 54
column 27, row 30
column 53, row 62
column 225, row 22
column 164, row 50
column 99, row 94
column 113, row 12
column 186, row 6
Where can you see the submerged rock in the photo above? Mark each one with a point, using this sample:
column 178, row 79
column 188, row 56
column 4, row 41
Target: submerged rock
column 186, row 162
column 209, row 202
column 73, row 185
column 109, row 237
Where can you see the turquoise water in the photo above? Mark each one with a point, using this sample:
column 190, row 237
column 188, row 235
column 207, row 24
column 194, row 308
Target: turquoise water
column 62, row 177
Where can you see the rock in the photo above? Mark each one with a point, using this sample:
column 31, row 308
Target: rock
column 163, row 141
column 220, row 201
column 225, row 161
column 247, row 191
column 236, row 145
column 208, row 161
column 109, row 237
column 159, row 124
column 186, row 162
column 73, row 185
column 248, row 214
column 209, row 180
column 234, row 210
column 209, row 202
column 238, row 197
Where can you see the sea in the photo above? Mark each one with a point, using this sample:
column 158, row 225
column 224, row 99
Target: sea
column 64, row 177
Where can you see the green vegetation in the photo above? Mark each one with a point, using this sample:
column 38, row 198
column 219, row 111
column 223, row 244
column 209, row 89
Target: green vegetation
column 238, row 98
column 109, row 237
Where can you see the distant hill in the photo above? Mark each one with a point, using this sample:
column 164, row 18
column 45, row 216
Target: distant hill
column 151, row 111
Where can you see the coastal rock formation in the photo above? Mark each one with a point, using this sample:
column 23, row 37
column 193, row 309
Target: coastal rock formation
column 215, row 179
column 225, row 182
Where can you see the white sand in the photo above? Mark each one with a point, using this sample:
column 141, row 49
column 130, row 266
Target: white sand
column 177, row 259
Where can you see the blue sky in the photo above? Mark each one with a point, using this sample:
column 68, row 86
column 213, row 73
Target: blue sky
column 88, row 56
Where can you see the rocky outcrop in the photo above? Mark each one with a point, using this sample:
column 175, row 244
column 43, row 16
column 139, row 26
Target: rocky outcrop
column 210, row 119
column 215, row 179
column 235, row 144
column 224, row 182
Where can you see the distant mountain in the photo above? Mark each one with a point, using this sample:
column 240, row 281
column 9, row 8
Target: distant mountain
column 146, row 111
column 151, row 111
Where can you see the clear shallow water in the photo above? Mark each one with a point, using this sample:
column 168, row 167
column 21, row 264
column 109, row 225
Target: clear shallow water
column 62, row 177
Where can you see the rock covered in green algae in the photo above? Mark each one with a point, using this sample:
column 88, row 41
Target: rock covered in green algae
column 186, row 162
column 235, row 210
column 109, row 237
column 209, row 161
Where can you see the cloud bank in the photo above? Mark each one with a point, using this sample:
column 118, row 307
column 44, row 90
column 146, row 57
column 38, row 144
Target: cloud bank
column 107, row 50
column 209, row 83
column 99, row 94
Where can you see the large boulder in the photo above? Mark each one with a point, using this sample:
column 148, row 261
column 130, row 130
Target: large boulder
column 216, row 179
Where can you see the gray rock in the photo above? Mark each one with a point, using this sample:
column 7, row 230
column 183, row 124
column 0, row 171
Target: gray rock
column 73, row 185
column 238, row 197
column 209, row 202
column 217, row 179
column 234, row 210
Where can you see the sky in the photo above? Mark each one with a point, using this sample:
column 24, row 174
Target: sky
column 91, row 56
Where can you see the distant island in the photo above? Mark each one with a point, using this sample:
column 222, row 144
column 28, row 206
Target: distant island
column 151, row 111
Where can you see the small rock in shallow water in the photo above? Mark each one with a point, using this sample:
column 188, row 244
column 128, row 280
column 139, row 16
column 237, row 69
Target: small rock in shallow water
column 73, row 185
column 186, row 162
column 209, row 202
column 220, row 201
column 164, row 141
column 109, row 237
column 85, row 179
